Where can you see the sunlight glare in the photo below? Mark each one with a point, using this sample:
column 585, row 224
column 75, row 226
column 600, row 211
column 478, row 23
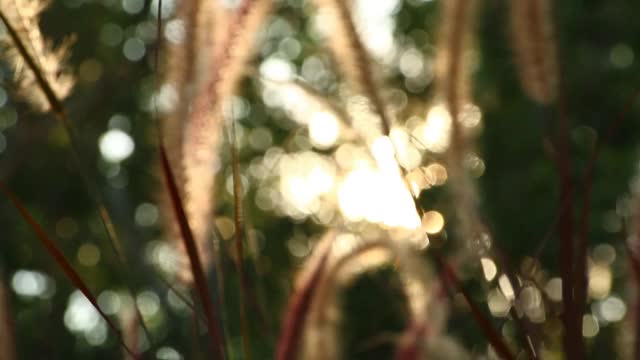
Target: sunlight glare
column 29, row 283
column 432, row 222
column 434, row 133
column 116, row 145
column 324, row 129
column 489, row 268
column 304, row 179
column 392, row 205
column 600, row 281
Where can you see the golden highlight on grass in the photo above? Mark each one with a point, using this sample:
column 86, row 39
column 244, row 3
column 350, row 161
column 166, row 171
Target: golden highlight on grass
column 535, row 48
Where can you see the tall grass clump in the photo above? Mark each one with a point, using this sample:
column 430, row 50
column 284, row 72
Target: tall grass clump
column 314, row 180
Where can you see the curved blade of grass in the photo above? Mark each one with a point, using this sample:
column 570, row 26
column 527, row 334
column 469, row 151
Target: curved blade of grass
column 489, row 331
column 299, row 306
column 199, row 277
column 61, row 261
column 58, row 110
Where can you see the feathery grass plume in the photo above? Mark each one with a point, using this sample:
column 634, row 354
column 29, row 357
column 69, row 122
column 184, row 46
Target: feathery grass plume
column 24, row 44
column 453, row 86
column 300, row 302
column 180, row 75
column 185, row 58
column 199, row 25
column 452, row 61
column 351, row 56
column 7, row 340
column 322, row 329
column 452, row 65
column 203, row 130
column 535, row 48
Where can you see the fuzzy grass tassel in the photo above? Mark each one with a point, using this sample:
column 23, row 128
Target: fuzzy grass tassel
column 535, row 48
column 453, row 83
column 311, row 326
column 207, row 84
